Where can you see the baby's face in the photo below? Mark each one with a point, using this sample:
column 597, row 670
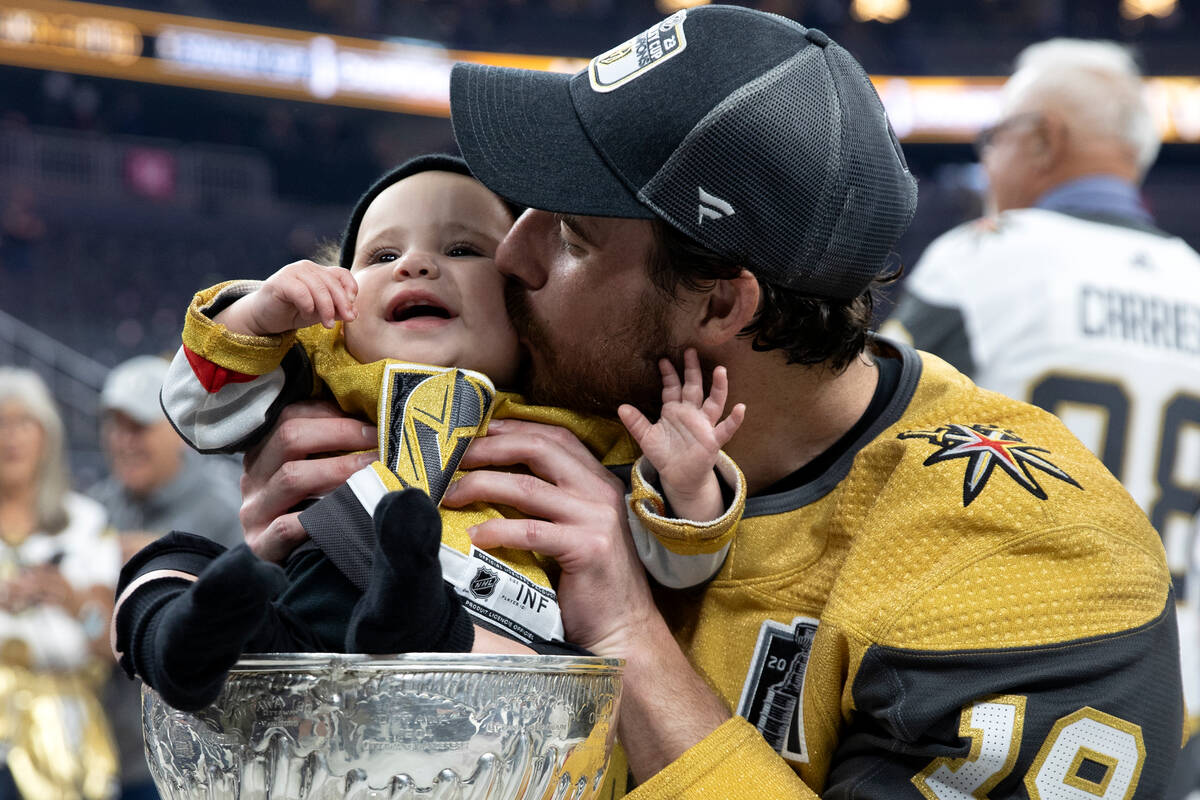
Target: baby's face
column 428, row 288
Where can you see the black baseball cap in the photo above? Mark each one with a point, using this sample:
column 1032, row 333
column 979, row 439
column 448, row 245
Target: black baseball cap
column 759, row 138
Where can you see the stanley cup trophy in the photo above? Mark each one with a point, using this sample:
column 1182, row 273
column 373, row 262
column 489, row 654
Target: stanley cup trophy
column 318, row 726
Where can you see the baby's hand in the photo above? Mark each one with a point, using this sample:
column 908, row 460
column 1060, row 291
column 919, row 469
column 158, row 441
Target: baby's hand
column 684, row 443
column 301, row 294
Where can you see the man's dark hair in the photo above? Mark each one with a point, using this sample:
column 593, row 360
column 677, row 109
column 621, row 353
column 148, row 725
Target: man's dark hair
column 810, row 329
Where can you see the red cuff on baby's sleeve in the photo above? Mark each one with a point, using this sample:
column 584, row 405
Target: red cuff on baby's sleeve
column 211, row 376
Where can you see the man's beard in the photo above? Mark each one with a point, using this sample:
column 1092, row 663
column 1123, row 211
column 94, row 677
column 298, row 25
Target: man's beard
column 621, row 366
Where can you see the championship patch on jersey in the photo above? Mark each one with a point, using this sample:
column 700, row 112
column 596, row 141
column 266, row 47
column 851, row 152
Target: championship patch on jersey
column 639, row 55
column 986, row 447
column 773, row 695
column 427, row 418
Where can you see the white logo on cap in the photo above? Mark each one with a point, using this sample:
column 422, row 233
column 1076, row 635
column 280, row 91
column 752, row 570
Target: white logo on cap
column 639, row 55
column 712, row 207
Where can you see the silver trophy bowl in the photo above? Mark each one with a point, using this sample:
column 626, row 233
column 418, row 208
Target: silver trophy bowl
column 461, row 726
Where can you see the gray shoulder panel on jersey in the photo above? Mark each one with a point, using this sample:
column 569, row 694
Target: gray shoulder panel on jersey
column 936, row 329
column 910, row 707
column 910, row 375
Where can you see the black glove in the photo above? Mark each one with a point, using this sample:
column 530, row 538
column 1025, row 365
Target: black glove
column 407, row 607
column 182, row 637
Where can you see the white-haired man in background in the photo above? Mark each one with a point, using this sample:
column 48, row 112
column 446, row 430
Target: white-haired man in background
column 1068, row 296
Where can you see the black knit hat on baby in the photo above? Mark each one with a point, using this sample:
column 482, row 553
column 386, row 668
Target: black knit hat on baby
column 431, row 162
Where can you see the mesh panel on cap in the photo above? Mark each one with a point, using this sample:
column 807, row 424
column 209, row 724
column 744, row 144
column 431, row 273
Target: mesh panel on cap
column 795, row 153
column 882, row 195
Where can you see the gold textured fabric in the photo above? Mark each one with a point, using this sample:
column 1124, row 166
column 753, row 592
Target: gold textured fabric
column 698, row 774
column 250, row 355
column 61, row 746
column 894, row 556
column 686, row 537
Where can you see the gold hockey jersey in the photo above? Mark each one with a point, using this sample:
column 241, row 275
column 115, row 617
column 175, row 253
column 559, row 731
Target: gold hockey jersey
column 966, row 605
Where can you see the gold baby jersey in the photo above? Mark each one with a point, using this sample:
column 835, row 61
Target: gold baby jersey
column 966, row 605
column 224, row 390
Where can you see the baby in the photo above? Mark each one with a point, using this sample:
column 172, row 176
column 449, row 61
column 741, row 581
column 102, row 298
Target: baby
column 409, row 331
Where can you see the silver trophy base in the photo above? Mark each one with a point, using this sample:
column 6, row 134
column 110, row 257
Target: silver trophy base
column 461, row 726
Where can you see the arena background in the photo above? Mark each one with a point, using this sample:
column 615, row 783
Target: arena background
column 149, row 149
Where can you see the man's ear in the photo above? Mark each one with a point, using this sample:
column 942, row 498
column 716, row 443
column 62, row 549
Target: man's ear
column 1052, row 137
column 728, row 308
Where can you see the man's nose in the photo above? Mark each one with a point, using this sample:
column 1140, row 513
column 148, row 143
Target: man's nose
column 517, row 255
column 415, row 265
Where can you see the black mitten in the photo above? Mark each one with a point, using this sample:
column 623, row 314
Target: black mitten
column 407, row 607
column 186, row 646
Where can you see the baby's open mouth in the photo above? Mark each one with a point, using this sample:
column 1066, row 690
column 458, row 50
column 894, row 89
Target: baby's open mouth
column 418, row 308
column 412, row 312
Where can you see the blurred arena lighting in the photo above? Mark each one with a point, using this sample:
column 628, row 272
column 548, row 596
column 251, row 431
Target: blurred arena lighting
column 878, row 10
column 116, row 42
column 1136, row 9
column 412, row 76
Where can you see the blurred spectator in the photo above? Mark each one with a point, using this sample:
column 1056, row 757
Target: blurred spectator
column 1070, row 298
column 58, row 566
column 156, row 485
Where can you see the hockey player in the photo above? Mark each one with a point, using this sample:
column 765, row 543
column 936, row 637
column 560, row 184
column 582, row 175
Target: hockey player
column 978, row 608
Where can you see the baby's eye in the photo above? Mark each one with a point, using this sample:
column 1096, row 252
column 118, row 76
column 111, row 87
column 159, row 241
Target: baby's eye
column 464, row 251
column 385, row 257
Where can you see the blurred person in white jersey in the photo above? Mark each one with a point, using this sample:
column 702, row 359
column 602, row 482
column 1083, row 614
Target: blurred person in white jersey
column 1067, row 296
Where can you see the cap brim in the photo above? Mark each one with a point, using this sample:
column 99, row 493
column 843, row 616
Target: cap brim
column 142, row 413
column 520, row 135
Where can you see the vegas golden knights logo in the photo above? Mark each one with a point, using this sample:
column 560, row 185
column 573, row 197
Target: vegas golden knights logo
column 427, row 418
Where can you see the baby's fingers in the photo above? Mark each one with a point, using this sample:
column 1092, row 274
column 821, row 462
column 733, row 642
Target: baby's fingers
column 635, row 422
column 714, row 404
column 296, row 292
column 726, row 428
column 693, row 378
column 321, row 296
column 670, row 381
column 344, row 289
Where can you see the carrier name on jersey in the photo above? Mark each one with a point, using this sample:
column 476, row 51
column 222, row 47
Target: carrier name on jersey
column 1139, row 319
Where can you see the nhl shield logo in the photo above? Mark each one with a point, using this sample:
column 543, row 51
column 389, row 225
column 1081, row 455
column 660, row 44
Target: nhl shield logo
column 484, row 583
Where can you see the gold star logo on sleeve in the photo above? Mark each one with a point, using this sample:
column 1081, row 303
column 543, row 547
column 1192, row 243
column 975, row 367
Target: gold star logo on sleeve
column 986, row 447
